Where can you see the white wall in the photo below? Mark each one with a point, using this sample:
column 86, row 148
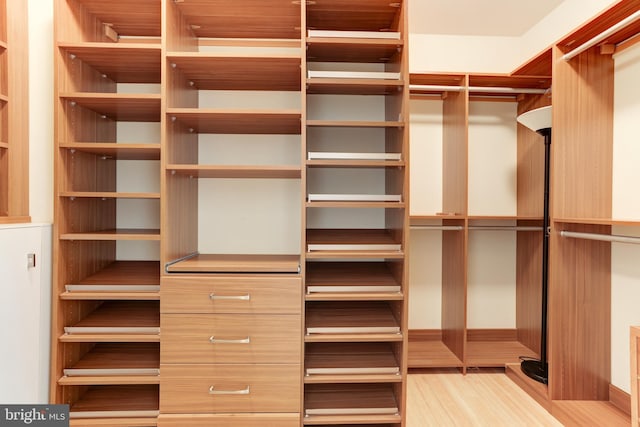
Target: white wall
column 25, row 313
column 625, row 269
column 41, row 110
column 485, row 54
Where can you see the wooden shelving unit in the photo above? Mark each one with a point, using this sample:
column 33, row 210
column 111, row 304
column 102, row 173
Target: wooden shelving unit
column 14, row 118
column 355, row 275
column 106, row 315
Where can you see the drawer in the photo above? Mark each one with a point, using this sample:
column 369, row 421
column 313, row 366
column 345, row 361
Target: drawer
column 229, row 388
column 231, row 295
column 230, row 338
column 235, row 420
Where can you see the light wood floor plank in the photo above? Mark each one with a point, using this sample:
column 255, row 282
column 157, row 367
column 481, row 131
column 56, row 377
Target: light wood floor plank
column 485, row 398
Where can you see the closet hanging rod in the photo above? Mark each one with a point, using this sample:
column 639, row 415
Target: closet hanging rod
column 437, row 227
column 602, row 237
column 603, row 35
column 505, row 228
column 489, row 89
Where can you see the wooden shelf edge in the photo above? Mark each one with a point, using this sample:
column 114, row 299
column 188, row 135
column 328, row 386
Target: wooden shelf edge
column 351, row 419
column 597, row 221
column 109, row 195
column 15, row 219
column 134, row 296
column 363, row 296
column 120, row 234
column 353, row 338
column 352, row 379
column 108, row 338
column 110, row 380
column 113, row 422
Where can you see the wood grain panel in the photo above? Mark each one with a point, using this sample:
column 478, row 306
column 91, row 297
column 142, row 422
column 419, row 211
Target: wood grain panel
column 271, row 388
column 237, row 420
column 455, row 152
column 357, row 15
column 579, row 315
column 270, row 338
column 454, row 290
column 529, row 288
column 582, row 146
column 252, row 295
column 580, row 413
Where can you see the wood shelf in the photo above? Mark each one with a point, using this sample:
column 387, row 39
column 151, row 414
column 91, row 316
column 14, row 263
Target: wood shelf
column 256, row 20
column 4, row 98
column 120, row 314
column 141, row 21
column 362, row 205
column 111, row 364
column 355, row 124
column 118, row 151
column 357, row 243
column 431, row 354
column 117, row 106
column 285, row 122
column 365, row 50
column 356, row 15
column 122, row 63
column 222, row 263
column 350, row 404
column 329, row 321
column 116, row 234
column 232, row 171
column 122, row 280
column 487, row 354
column 4, row 145
column 109, row 195
column 350, row 363
column 239, row 72
column 356, row 163
column 353, row 86
column 342, row 281
column 117, row 401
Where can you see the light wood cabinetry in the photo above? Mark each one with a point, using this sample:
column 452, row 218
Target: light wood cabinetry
column 356, row 213
column 14, row 116
column 492, row 176
column 209, row 260
column 106, row 315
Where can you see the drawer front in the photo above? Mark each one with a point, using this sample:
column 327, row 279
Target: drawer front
column 235, row 420
column 230, row 338
column 229, row 388
column 231, row 295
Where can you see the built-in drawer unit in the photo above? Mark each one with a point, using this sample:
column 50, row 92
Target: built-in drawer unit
column 228, row 294
column 229, row 388
column 236, row 420
column 231, row 338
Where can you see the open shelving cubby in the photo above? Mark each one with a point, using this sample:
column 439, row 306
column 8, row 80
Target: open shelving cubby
column 488, row 182
column 107, row 213
column 356, row 213
column 233, row 138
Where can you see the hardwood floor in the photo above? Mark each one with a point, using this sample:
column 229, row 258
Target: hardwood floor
column 481, row 398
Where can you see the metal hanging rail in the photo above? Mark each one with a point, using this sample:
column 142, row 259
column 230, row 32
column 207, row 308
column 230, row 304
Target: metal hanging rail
column 602, row 237
column 437, row 227
column 505, row 228
column 602, row 36
column 488, row 89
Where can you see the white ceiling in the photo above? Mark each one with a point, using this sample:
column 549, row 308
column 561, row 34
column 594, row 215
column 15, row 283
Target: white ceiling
column 507, row 18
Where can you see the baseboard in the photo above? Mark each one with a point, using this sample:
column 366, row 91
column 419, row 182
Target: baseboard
column 425, row 335
column 620, row 399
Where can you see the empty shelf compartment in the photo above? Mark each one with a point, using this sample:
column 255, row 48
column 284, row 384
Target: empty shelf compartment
column 349, row 400
column 350, row 359
column 350, row 277
column 350, row 318
column 355, row 197
column 351, row 240
column 120, row 317
column 354, row 34
column 118, row 359
column 118, row 401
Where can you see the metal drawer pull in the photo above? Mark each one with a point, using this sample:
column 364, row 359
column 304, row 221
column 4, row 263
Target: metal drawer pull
column 214, row 340
column 212, row 390
column 213, row 296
